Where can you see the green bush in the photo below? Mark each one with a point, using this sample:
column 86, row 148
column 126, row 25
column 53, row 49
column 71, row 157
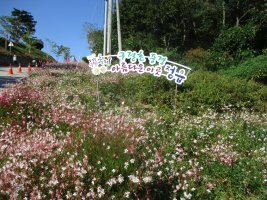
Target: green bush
column 205, row 90
column 235, row 40
column 253, row 68
column 141, row 90
column 202, row 90
column 201, row 59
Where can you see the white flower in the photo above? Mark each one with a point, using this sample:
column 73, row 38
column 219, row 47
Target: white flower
column 125, row 150
column 134, row 179
column 111, row 182
column 100, row 191
column 147, row 179
column 120, row 178
column 126, row 164
column 187, row 196
column 132, row 161
column 159, row 173
column 103, row 168
column 127, row 194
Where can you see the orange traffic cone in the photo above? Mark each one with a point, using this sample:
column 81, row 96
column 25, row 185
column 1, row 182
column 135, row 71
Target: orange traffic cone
column 10, row 71
column 36, row 67
column 29, row 68
column 19, row 69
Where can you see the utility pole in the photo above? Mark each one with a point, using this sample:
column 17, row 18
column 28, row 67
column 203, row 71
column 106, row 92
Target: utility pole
column 118, row 25
column 105, row 28
column 109, row 26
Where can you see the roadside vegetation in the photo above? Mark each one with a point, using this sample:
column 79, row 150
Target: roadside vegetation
column 56, row 142
column 136, row 137
column 22, row 54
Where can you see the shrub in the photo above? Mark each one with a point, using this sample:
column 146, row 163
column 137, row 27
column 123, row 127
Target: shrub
column 196, row 58
column 235, row 40
column 141, row 90
column 253, row 68
column 55, row 149
column 207, row 59
column 209, row 90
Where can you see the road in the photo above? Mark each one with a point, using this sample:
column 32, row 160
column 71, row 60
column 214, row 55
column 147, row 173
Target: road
column 6, row 79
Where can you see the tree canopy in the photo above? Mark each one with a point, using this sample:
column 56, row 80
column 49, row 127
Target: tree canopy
column 18, row 24
column 174, row 27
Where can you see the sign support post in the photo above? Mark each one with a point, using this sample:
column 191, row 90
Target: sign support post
column 175, row 95
column 98, row 95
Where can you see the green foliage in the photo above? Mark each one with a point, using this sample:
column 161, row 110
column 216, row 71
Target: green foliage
column 201, row 91
column 84, row 59
column 207, row 60
column 253, row 68
column 218, row 60
column 67, row 150
column 29, row 41
column 38, row 43
column 22, row 52
column 145, row 91
column 6, row 27
column 94, row 38
column 209, row 90
column 168, row 24
column 237, row 41
column 18, row 24
column 60, row 49
column 227, row 32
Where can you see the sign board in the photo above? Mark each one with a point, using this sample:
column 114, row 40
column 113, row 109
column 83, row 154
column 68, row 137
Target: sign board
column 10, row 44
column 132, row 61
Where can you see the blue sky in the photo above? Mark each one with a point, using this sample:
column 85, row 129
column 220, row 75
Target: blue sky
column 61, row 21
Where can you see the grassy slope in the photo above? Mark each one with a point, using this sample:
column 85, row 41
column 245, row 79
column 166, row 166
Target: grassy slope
column 136, row 145
column 22, row 53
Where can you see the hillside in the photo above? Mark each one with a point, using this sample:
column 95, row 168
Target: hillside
column 59, row 140
column 22, row 53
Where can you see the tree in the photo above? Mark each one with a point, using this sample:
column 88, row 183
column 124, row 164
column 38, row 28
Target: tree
column 169, row 24
column 22, row 22
column 5, row 32
column 242, row 11
column 174, row 27
column 59, row 50
column 38, row 44
column 29, row 41
column 94, row 37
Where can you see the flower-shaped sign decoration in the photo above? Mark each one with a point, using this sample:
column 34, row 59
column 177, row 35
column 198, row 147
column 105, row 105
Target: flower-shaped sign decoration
column 132, row 61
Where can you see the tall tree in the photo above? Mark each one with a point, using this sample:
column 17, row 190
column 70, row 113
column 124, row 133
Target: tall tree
column 240, row 12
column 22, row 22
column 59, row 50
column 94, row 37
column 6, row 28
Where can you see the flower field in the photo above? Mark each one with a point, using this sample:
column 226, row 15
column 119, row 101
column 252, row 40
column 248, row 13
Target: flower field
column 57, row 143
